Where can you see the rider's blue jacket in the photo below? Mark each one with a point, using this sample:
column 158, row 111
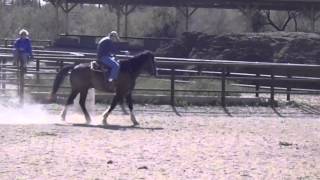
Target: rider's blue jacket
column 23, row 45
column 106, row 48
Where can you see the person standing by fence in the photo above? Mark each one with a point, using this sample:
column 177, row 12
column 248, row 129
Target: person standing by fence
column 22, row 49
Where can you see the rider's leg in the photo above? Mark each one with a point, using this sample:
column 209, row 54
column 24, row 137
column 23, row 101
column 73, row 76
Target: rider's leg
column 114, row 65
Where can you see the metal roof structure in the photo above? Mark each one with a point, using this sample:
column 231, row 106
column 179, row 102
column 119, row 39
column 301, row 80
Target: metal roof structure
column 188, row 7
column 226, row 4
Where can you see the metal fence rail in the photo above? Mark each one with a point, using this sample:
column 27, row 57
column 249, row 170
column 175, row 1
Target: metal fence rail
column 278, row 78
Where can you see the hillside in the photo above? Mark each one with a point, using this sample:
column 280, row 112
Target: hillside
column 293, row 47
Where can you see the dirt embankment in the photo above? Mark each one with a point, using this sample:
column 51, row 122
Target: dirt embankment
column 292, row 47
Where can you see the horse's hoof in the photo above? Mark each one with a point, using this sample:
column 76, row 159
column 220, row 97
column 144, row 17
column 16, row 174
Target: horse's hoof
column 104, row 122
column 52, row 99
column 136, row 124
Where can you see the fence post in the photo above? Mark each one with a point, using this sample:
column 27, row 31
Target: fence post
column 199, row 70
column 38, row 70
column 223, row 87
column 272, row 89
column 172, row 101
column 61, row 65
column 5, row 42
column 21, row 82
column 288, row 89
column 4, row 76
column 257, row 85
column 1, row 73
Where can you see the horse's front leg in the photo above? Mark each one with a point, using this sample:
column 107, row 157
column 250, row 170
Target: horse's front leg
column 130, row 105
column 114, row 103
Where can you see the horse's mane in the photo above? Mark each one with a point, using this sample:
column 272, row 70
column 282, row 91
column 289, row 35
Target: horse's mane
column 135, row 62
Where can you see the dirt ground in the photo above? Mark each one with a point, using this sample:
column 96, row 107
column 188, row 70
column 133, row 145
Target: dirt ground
column 197, row 143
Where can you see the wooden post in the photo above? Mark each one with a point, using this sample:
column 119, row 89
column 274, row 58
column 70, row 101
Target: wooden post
column 288, row 89
column 187, row 14
column 6, row 43
column 61, row 65
column 126, row 20
column 66, row 21
column 66, row 8
column 38, row 70
column 126, row 13
column 1, row 73
column 223, row 87
column 172, row 101
column 21, row 82
column 199, row 70
column 4, row 76
column 272, row 89
column 257, row 85
column 118, row 18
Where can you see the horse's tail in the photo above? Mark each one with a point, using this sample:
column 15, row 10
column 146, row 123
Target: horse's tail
column 59, row 79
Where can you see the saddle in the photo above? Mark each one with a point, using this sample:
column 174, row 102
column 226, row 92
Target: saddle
column 98, row 66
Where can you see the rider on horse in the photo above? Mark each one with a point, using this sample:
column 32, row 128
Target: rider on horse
column 106, row 54
column 22, row 48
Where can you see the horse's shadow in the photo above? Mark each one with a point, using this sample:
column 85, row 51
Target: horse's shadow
column 113, row 127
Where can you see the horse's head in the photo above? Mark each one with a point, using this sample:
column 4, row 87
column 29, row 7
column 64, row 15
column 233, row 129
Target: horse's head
column 149, row 64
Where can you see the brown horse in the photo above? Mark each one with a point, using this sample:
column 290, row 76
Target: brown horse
column 82, row 78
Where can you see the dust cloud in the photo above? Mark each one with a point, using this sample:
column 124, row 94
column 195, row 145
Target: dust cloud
column 27, row 114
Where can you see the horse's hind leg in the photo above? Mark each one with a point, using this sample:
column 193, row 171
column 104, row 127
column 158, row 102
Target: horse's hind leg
column 115, row 101
column 130, row 105
column 71, row 97
column 122, row 107
column 82, row 102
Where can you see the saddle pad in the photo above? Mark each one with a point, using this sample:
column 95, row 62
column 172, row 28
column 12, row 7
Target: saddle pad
column 95, row 66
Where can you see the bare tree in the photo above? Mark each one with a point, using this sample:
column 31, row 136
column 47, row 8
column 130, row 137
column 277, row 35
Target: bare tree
column 281, row 26
column 256, row 20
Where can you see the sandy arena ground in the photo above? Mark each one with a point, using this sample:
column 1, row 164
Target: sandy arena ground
column 202, row 143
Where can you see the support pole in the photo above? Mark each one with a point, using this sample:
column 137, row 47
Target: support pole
column 22, row 68
column 223, row 87
column 257, row 86
column 126, row 12
column 187, row 14
column 4, row 75
column 66, row 9
column 288, row 89
column 1, row 73
column 118, row 18
column 272, row 89
column 172, row 101
column 66, row 20
column 38, row 70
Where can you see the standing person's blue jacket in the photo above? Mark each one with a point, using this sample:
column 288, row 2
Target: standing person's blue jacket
column 23, row 45
column 22, row 49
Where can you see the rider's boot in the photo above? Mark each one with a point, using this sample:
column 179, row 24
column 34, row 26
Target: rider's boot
column 110, row 85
